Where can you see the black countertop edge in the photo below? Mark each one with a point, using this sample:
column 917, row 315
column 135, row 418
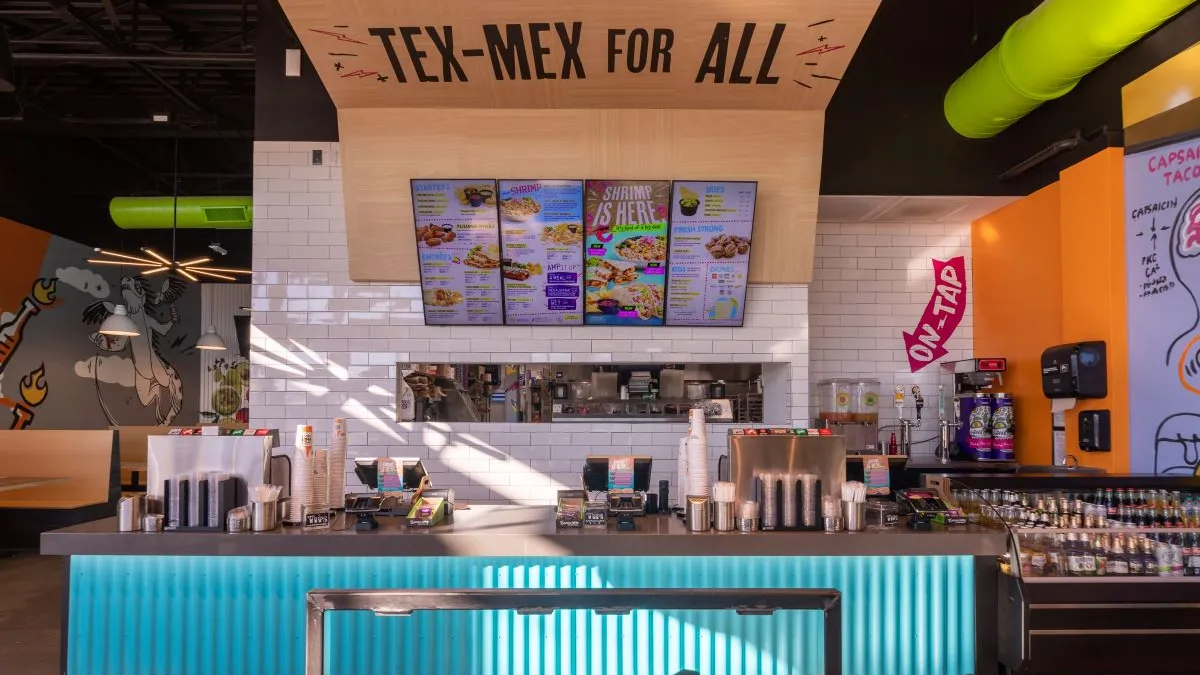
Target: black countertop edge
column 515, row 531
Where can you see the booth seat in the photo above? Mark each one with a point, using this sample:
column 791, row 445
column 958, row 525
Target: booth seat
column 87, row 464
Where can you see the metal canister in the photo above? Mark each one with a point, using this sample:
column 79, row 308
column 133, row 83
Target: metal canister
column 974, row 437
column 129, row 514
column 1002, row 426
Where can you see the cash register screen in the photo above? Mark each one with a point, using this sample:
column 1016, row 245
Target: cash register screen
column 596, row 474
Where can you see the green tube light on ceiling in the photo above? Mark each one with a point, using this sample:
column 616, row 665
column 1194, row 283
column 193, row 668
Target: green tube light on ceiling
column 198, row 213
column 1044, row 54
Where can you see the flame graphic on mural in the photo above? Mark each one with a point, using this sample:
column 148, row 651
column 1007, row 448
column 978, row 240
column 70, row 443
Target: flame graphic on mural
column 45, row 290
column 34, row 387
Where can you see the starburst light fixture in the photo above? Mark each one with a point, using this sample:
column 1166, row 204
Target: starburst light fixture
column 154, row 263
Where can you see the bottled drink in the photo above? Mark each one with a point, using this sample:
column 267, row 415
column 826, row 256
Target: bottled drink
column 1141, row 498
column 1099, row 554
column 1124, row 515
column 1192, row 552
column 1074, row 555
column 1122, row 498
column 1054, row 557
column 1110, row 503
column 1137, row 566
column 1118, row 563
column 1098, row 498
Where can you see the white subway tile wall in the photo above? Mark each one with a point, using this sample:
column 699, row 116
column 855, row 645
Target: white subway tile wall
column 871, row 282
column 325, row 347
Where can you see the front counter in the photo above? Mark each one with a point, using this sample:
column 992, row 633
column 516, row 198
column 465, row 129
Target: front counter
column 180, row 603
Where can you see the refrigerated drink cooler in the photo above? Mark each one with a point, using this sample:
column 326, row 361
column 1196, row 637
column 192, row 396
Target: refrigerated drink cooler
column 1102, row 574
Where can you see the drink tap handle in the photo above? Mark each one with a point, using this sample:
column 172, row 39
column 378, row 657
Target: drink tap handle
column 941, row 402
column 919, row 400
column 898, row 400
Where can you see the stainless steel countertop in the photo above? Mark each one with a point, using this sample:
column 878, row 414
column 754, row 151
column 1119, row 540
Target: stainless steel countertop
column 520, row 531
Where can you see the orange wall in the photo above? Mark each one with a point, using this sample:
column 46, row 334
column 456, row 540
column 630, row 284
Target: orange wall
column 1017, row 275
column 1050, row 269
column 1093, row 270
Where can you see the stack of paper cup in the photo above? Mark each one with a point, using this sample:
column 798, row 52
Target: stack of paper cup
column 320, row 491
column 337, row 464
column 697, row 456
column 681, row 479
column 303, row 466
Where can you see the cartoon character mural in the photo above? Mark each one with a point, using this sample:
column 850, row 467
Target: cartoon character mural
column 154, row 378
column 32, row 387
column 1177, row 438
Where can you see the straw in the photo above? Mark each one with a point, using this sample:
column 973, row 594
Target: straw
column 854, row 491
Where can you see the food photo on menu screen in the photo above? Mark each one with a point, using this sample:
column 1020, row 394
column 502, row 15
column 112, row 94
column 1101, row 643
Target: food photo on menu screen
column 458, row 251
column 541, row 242
column 626, row 252
column 711, row 227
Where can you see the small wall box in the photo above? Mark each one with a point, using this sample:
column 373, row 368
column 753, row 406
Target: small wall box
column 1094, row 431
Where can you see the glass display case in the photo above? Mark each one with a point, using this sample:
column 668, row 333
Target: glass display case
column 1102, row 574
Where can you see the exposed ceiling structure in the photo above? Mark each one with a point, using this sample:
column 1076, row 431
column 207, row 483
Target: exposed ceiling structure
column 104, row 92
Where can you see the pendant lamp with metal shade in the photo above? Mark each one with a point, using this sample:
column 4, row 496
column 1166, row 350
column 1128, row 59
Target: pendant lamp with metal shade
column 211, row 340
column 119, row 324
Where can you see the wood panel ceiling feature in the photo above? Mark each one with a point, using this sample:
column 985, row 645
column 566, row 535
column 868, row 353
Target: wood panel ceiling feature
column 727, row 54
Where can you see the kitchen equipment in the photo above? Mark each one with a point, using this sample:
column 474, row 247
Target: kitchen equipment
column 129, row 513
column 152, row 522
column 855, row 515
column 697, row 391
column 782, row 451
column 718, row 410
column 670, row 384
column 264, row 516
column 864, row 401
column 974, row 436
column 833, row 400
column 698, row 514
column 723, row 516
column 605, row 386
column 747, row 517
column 716, row 389
column 560, row 391
column 581, row 391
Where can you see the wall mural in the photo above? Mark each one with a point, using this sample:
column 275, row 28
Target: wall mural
column 154, row 378
column 1162, row 249
column 51, row 304
column 32, row 389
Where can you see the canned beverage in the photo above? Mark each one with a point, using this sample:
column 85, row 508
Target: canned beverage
column 974, row 437
column 1002, row 426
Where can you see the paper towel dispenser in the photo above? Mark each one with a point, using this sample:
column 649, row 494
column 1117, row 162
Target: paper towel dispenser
column 1076, row 370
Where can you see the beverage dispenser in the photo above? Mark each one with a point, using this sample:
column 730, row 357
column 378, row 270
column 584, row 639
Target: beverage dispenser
column 850, row 408
column 981, row 422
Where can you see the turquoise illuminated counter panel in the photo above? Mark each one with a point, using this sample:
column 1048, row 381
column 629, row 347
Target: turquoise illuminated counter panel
column 918, row 603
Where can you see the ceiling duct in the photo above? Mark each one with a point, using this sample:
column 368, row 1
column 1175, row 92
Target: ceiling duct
column 196, row 213
column 1044, row 54
column 8, row 81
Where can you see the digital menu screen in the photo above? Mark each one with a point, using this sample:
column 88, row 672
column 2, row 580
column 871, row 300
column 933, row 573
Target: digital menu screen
column 711, row 228
column 541, row 237
column 626, row 252
column 458, row 251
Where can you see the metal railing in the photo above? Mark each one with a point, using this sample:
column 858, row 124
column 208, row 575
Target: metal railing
column 403, row 602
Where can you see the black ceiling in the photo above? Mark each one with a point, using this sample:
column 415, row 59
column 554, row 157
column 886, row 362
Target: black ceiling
column 79, row 129
column 91, row 73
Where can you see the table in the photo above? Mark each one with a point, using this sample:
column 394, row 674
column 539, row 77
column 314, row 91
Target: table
column 26, row 482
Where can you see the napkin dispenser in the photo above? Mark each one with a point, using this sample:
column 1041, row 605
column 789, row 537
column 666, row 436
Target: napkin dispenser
column 1075, row 370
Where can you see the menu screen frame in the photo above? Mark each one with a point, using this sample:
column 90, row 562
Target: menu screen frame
column 417, row 246
column 580, row 253
column 625, row 274
column 674, row 221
